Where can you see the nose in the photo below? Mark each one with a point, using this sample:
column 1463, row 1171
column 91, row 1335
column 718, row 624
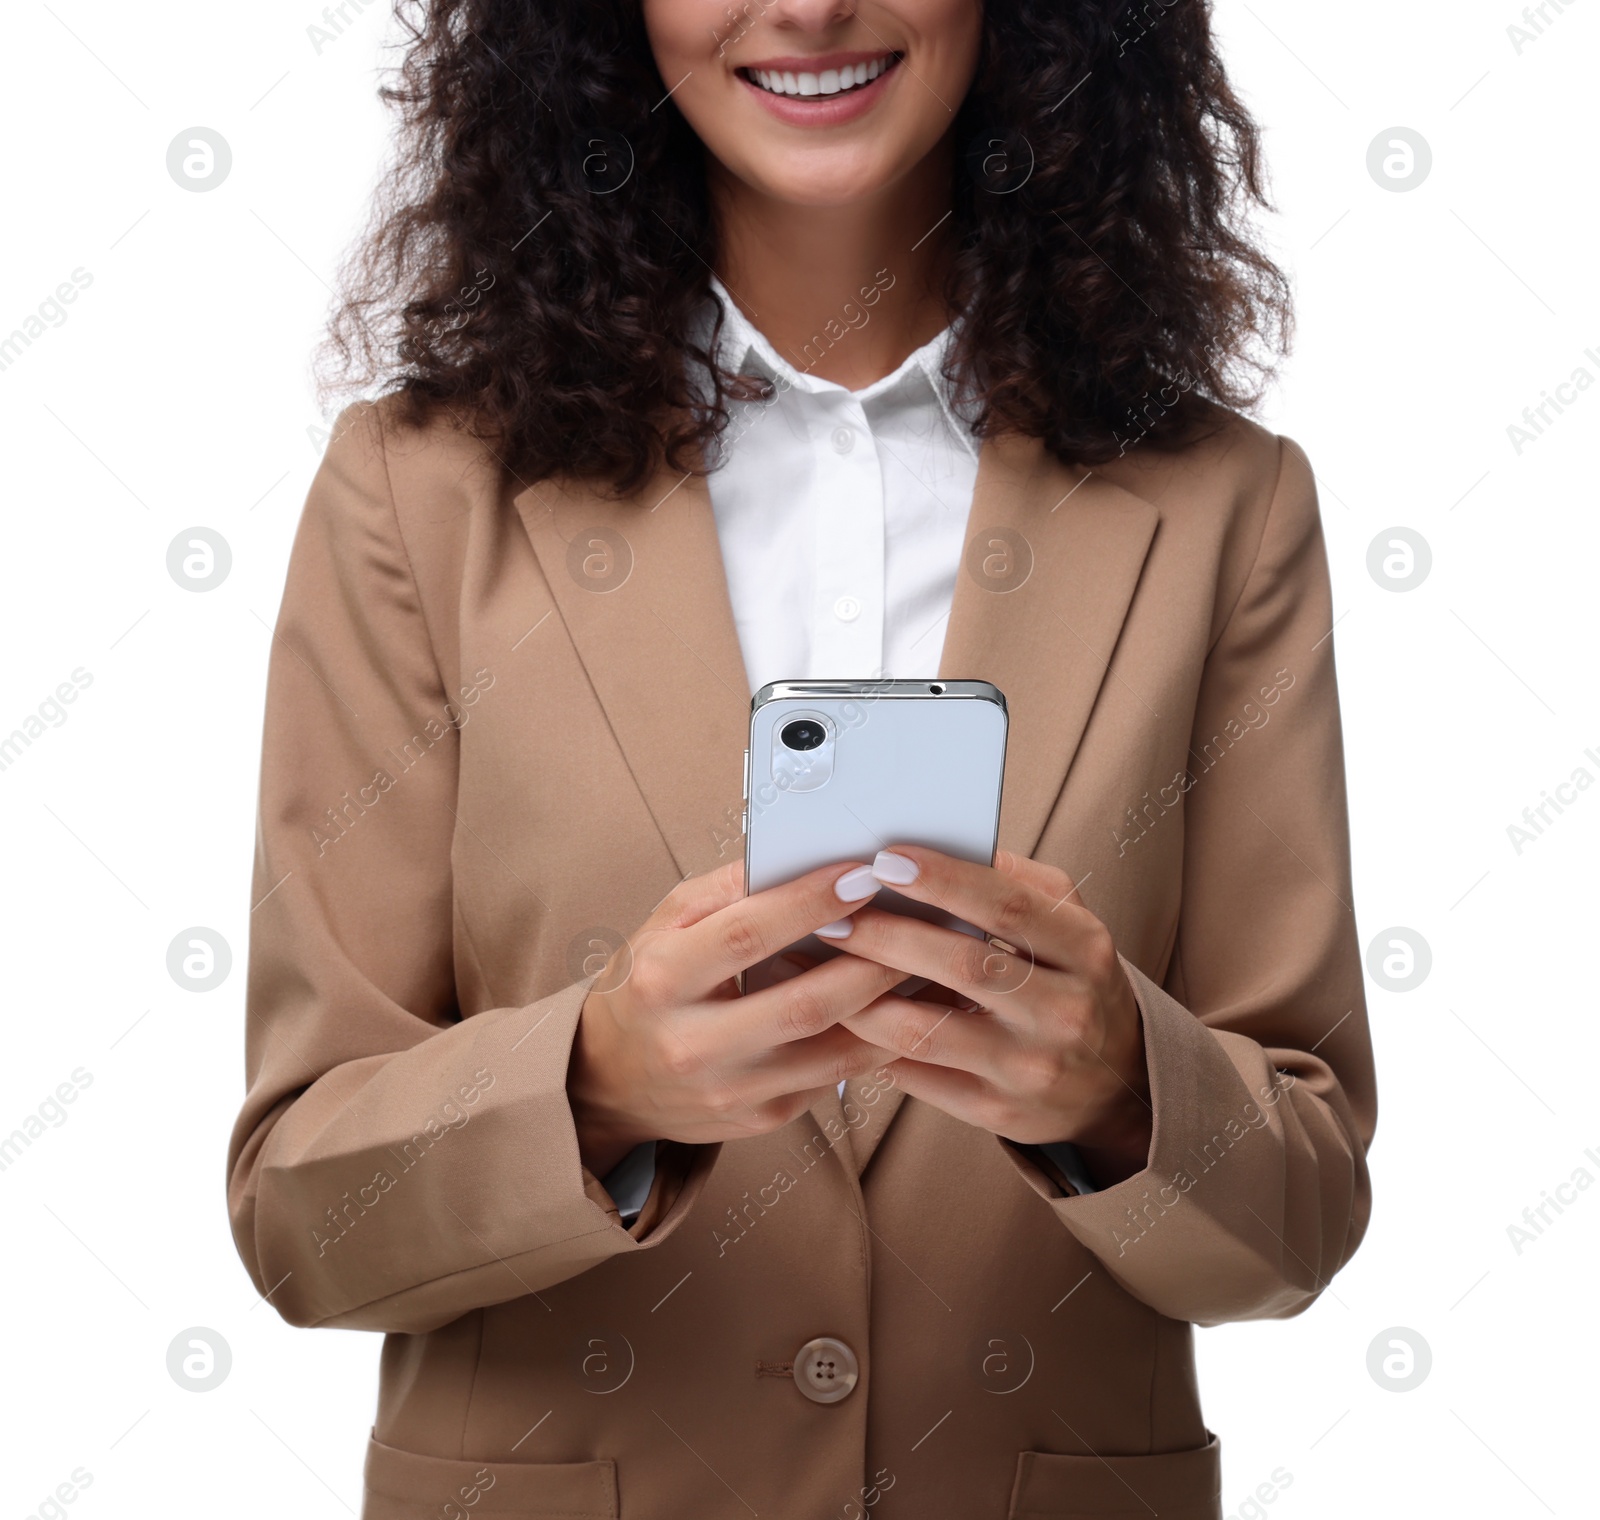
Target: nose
column 809, row 15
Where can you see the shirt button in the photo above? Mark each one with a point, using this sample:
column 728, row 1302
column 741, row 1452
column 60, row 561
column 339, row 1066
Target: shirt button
column 825, row 1370
column 847, row 609
column 844, row 439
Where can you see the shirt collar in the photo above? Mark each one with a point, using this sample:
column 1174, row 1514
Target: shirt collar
column 744, row 348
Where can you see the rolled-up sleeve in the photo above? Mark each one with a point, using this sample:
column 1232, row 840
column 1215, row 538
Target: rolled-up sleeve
column 395, row 1164
column 1256, row 1189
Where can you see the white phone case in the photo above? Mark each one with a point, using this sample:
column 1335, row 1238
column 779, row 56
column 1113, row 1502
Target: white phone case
column 898, row 762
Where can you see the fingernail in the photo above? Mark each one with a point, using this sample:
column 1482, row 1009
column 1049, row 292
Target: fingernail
column 839, row 929
column 855, row 885
column 895, row 870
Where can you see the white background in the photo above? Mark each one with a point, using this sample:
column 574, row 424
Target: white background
column 176, row 394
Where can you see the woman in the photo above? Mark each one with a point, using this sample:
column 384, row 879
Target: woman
column 808, row 339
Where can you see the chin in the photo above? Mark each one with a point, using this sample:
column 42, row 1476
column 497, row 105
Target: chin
column 823, row 180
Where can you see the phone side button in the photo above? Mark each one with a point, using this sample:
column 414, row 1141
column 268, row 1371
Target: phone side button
column 745, row 777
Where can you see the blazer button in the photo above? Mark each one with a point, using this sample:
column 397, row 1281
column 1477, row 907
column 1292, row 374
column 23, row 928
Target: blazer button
column 825, row 1370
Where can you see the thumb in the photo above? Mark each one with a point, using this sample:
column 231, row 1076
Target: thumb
column 697, row 897
column 1050, row 880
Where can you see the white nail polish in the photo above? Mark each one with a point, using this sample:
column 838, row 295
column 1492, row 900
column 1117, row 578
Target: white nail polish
column 856, row 885
column 894, row 870
column 839, row 929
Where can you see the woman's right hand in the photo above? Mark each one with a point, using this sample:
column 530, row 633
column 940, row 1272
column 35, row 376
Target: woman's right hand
column 668, row 1049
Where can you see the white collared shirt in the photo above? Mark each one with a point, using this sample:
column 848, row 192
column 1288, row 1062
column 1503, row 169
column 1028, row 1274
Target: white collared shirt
column 842, row 516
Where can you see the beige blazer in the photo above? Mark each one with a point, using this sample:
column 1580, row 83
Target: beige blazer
column 501, row 723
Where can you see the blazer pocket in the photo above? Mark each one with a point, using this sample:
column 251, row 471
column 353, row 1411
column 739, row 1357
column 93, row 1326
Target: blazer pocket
column 404, row 1485
column 1170, row 1485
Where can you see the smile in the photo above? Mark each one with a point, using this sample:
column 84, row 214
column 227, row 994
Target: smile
column 821, row 83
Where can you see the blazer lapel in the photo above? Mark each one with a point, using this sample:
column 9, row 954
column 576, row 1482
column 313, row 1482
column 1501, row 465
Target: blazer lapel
column 640, row 585
column 1053, row 556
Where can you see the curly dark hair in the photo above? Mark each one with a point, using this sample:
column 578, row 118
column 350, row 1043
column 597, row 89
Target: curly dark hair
column 540, row 247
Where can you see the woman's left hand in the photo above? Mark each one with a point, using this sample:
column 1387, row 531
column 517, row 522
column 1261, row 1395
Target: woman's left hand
column 1047, row 1043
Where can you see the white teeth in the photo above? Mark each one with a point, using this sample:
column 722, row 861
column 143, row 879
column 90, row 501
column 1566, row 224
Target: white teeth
column 828, row 82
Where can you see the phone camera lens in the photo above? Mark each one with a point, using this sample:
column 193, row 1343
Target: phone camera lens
column 803, row 734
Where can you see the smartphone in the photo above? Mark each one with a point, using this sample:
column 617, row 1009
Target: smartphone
column 838, row 770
